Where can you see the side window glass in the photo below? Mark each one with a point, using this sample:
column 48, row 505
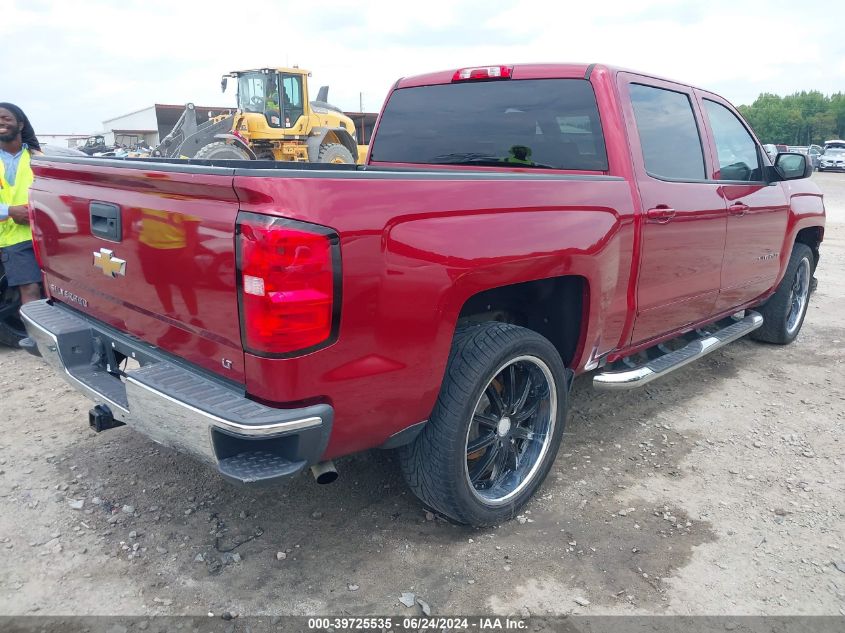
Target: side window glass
column 271, row 100
column 669, row 135
column 738, row 157
column 292, row 99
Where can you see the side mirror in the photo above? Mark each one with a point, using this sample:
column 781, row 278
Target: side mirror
column 792, row 166
column 223, row 83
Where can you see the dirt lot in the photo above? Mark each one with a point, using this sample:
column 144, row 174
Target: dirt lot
column 718, row 490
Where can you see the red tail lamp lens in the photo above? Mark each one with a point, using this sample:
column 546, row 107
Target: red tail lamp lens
column 288, row 288
column 482, row 72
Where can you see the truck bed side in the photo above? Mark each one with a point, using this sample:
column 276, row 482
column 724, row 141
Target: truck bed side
column 416, row 246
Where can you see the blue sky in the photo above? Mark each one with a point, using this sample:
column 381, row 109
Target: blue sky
column 80, row 63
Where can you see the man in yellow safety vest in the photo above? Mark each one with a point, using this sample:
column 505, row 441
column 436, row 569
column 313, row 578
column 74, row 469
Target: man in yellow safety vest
column 17, row 142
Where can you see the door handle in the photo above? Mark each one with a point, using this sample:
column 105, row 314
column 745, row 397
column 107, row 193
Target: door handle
column 661, row 214
column 105, row 221
column 738, row 209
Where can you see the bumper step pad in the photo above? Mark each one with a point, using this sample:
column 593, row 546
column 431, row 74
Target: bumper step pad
column 257, row 467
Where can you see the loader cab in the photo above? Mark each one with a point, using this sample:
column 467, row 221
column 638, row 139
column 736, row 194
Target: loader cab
column 279, row 96
column 293, row 98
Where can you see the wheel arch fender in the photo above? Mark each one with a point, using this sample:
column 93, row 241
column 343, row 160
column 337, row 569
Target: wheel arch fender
column 812, row 236
column 236, row 140
column 805, row 223
column 590, row 261
column 321, row 136
column 557, row 308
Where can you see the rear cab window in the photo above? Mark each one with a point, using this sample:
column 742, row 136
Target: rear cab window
column 669, row 135
column 529, row 123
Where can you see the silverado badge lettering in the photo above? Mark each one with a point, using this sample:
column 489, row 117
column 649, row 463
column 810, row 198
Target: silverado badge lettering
column 67, row 294
column 110, row 265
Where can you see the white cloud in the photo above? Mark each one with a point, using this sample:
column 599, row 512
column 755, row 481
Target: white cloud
column 87, row 62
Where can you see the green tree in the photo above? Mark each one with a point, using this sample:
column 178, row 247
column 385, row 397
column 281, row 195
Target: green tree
column 837, row 109
column 801, row 118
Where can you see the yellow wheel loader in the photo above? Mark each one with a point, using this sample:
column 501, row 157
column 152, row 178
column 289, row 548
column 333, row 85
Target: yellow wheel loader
column 274, row 120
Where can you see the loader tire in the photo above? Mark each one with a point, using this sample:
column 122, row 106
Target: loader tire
column 335, row 153
column 221, row 151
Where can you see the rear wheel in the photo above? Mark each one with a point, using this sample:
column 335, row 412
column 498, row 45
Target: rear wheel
column 495, row 430
column 335, row 153
column 784, row 312
column 221, row 151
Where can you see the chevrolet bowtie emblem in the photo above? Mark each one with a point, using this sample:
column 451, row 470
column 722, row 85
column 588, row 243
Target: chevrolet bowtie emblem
column 110, row 265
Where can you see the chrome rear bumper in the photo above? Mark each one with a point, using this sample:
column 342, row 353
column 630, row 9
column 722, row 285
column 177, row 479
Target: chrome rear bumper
column 178, row 405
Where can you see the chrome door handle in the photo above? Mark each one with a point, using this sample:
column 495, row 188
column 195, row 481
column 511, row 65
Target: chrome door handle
column 739, row 209
column 660, row 214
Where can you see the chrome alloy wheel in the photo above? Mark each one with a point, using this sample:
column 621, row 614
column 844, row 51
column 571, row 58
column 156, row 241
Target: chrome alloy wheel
column 511, row 430
column 798, row 296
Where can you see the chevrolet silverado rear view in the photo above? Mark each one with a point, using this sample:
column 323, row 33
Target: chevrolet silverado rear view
column 514, row 226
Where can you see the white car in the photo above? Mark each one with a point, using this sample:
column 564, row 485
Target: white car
column 771, row 150
column 832, row 159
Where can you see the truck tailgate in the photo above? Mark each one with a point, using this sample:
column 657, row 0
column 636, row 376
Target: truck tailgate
column 146, row 249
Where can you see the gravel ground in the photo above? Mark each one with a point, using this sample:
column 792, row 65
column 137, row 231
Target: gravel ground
column 718, row 490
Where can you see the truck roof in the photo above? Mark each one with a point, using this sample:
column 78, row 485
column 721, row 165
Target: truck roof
column 520, row 71
column 530, row 71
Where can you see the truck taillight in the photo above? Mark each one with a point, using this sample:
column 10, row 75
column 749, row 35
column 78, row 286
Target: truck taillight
column 482, row 72
column 289, row 284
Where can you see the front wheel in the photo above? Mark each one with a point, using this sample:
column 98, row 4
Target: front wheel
column 496, row 427
column 784, row 312
column 221, row 151
column 335, row 153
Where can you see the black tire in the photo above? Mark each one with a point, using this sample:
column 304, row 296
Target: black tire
column 12, row 330
column 436, row 465
column 335, row 153
column 221, row 151
column 782, row 316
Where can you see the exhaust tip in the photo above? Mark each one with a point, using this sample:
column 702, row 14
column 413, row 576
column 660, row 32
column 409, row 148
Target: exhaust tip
column 327, row 478
column 324, row 472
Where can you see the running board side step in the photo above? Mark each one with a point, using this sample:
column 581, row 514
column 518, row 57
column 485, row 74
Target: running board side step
column 639, row 376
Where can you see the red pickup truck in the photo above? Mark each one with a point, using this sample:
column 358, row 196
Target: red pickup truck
column 514, row 226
